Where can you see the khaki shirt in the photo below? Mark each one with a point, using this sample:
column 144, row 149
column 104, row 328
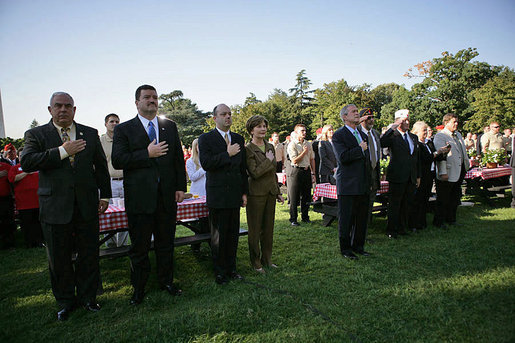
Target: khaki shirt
column 107, row 145
column 491, row 141
column 295, row 149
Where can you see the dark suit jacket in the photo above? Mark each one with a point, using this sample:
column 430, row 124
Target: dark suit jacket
column 327, row 158
column 226, row 177
column 60, row 184
column 143, row 175
column 316, row 148
column 379, row 153
column 353, row 173
column 512, row 159
column 403, row 166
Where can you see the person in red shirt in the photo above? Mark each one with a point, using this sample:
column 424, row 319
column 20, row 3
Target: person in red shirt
column 7, row 225
column 27, row 204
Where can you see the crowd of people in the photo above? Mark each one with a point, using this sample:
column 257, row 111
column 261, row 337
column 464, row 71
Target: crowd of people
column 66, row 175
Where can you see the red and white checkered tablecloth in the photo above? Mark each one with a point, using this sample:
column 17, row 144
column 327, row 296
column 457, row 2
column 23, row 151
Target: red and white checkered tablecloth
column 488, row 173
column 327, row 190
column 116, row 218
column 281, row 178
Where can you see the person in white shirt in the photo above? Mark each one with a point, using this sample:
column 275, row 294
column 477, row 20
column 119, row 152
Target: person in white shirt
column 195, row 172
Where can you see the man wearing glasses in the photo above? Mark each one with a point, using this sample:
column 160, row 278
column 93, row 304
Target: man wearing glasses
column 493, row 138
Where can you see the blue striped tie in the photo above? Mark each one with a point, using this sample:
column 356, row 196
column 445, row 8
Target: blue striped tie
column 151, row 131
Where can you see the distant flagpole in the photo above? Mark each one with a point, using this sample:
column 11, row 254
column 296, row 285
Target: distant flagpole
column 2, row 126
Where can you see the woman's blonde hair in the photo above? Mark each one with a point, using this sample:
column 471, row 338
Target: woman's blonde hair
column 418, row 126
column 324, row 132
column 194, row 153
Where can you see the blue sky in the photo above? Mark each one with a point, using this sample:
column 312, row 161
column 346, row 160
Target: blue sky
column 219, row 51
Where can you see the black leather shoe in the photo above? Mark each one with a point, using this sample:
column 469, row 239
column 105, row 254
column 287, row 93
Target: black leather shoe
column 363, row 253
column 402, row 233
column 220, row 279
column 349, row 255
column 235, row 276
column 306, row 221
column 295, row 224
column 136, row 299
column 92, row 307
column 64, row 313
column 172, row 289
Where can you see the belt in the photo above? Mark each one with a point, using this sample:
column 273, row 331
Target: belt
column 303, row 168
column 117, row 178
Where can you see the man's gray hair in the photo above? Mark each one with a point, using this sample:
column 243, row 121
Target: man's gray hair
column 60, row 93
column 345, row 110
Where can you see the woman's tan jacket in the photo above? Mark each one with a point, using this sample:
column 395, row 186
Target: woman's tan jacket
column 262, row 176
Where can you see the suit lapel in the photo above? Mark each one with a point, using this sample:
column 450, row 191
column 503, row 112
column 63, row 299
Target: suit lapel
column 139, row 130
column 52, row 135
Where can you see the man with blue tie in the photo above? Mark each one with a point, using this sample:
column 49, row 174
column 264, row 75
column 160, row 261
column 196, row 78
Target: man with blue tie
column 352, row 183
column 149, row 151
column 403, row 173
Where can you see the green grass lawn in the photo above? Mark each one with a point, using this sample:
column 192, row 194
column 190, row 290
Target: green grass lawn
column 433, row 286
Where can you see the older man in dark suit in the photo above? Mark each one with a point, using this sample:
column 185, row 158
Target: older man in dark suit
column 374, row 147
column 222, row 155
column 149, row 151
column 403, row 172
column 72, row 170
column 352, row 183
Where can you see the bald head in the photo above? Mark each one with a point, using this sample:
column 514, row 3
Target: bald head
column 222, row 117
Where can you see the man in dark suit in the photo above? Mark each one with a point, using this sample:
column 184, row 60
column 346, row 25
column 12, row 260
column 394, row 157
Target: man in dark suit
column 352, row 183
column 72, row 169
column 374, row 147
column 403, row 172
column 222, row 155
column 149, row 151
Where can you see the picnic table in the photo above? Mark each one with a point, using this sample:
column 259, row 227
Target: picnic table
column 189, row 212
column 488, row 181
column 325, row 195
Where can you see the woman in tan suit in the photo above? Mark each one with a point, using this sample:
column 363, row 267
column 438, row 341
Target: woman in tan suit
column 263, row 192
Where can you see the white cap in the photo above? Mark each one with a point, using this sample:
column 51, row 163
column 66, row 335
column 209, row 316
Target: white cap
column 402, row 114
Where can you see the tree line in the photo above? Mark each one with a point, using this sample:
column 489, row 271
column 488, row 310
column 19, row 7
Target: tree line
column 476, row 91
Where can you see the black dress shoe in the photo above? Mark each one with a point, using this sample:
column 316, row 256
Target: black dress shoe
column 235, row 276
column 295, row 224
column 92, row 307
column 306, row 221
column 64, row 313
column 136, row 299
column 349, row 255
column 220, row 279
column 172, row 289
column 363, row 252
column 402, row 233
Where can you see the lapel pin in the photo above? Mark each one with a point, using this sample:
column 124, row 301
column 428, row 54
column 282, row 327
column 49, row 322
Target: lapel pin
column 80, row 133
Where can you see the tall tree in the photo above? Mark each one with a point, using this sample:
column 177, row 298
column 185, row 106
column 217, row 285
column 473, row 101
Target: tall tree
column 34, row 124
column 190, row 121
column 495, row 100
column 300, row 94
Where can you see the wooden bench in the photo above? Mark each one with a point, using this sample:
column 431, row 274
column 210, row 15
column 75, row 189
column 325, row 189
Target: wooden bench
column 179, row 241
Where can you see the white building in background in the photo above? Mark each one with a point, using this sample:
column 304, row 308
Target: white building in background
column 2, row 126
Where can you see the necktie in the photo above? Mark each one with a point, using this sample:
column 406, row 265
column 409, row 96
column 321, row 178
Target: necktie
column 455, row 137
column 407, row 142
column 373, row 155
column 151, row 131
column 226, row 137
column 356, row 134
column 66, row 138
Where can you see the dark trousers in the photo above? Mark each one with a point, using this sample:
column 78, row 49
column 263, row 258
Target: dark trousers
column 31, row 228
column 448, row 198
column 299, row 189
column 513, row 186
column 373, row 193
column 260, row 219
column 161, row 224
column 352, row 221
column 420, row 206
column 62, row 240
column 400, row 198
column 7, row 225
column 225, row 229
column 279, row 167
